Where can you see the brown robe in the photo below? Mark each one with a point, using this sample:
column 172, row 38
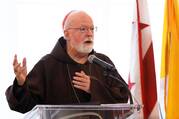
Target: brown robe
column 49, row 82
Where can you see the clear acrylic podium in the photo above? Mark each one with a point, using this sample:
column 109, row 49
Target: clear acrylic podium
column 103, row 111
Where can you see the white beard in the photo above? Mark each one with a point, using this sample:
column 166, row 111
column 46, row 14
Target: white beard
column 85, row 47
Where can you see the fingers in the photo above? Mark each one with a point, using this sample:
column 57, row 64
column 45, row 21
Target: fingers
column 15, row 60
column 24, row 62
column 20, row 70
column 17, row 67
column 81, row 81
column 81, row 77
column 82, row 84
column 81, row 74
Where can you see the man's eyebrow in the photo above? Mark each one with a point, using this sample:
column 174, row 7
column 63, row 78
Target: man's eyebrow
column 86, row 26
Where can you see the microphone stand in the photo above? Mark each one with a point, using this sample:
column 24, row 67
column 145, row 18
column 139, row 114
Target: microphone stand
column 107, row 74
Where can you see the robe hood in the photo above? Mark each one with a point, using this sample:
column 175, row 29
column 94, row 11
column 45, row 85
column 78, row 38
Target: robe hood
column 59, row 52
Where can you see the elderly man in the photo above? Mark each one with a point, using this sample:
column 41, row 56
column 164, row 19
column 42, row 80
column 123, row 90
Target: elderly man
column 65, row 76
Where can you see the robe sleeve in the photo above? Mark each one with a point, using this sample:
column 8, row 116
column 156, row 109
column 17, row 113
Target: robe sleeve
column 24, row 98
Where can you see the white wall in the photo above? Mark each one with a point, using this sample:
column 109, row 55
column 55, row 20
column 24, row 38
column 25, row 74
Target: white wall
column 31, row 28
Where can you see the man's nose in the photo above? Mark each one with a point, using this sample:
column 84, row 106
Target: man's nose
column 90, row 32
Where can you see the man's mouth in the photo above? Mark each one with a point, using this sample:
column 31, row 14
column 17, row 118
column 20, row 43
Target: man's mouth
column 89, row 41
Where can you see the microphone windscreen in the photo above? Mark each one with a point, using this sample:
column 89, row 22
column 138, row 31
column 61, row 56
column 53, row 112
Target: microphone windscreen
column 91, row 58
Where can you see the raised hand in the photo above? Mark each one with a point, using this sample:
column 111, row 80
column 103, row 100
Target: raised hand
column 20, row 70
column 82, row 81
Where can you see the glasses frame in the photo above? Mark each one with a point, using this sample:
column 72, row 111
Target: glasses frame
column 84, row 29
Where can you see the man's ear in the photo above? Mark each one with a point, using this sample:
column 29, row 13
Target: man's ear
column 66, row 35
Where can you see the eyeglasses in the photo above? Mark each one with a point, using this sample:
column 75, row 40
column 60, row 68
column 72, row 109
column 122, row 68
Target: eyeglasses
column 84, row 29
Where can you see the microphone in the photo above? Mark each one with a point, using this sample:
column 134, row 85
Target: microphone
column 105, row 65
